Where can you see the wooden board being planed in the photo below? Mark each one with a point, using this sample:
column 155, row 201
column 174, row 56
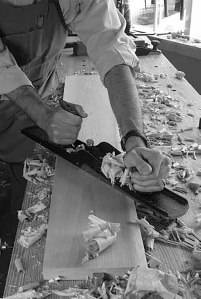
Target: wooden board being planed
column 76, row 193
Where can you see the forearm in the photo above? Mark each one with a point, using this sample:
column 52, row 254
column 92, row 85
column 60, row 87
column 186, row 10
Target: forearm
column 124, row 100
column 29, row 101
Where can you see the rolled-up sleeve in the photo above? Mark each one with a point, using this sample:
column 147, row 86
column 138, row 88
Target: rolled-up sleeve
column 101, row 27
column 11, row 76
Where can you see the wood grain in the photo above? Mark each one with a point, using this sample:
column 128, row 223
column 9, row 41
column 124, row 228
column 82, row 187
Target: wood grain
column 89, row 92
column 75, row 194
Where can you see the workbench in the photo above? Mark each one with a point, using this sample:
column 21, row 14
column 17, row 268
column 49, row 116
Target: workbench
column 173, row 258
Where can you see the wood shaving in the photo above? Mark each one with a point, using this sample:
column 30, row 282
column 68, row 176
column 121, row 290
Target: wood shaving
column 144, row 281
column 30, row 235
column 179, row 75
column 100, row 235
column 37, row 170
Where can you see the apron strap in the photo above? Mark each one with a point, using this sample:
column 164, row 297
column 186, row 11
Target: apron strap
column 60, row 13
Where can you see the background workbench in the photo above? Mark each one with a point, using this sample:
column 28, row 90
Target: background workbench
column 173, row 258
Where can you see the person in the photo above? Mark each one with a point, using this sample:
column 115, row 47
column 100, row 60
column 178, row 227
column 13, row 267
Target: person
column 32, row 36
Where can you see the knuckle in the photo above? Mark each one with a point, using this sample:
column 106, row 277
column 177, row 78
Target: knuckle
column 55, row 133
column 74, row 133
column 160, row 186
column 166, row 161
column 168, row 168
column 72, row 140
column 155, row 177
column 53, row 124
column 78, row 121
column 55, row 140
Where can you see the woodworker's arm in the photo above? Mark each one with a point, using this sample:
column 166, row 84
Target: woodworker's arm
column 125, row 102
column 61, row 126
column 151, row 165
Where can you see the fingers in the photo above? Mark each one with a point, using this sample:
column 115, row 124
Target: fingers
column 150, row 188
column 73, row 108
column 151, row 185
column 80, row 111
column 63, row 126
column 154, row 181
column 153, row 157
column 67, row 137
column 62, row 117
column 132, row 159
column 161, row 172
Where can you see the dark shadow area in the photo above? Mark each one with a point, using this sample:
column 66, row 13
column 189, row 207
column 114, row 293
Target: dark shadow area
column 12, row 187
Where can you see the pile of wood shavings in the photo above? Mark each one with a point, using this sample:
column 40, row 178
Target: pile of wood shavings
column 114, row 169
column 99, row 235
column 129, row 285
column 37, row 170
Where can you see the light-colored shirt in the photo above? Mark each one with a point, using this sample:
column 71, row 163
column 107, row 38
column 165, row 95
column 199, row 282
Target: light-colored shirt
column 99, row 25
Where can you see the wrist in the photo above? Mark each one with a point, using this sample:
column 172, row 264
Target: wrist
column 26, row 98
column 43, row 118
column 134, row 142
column 133, row 139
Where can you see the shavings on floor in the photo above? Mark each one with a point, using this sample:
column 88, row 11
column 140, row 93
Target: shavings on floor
column 42, row 194
column 19, row 265
column 191, row 275
column 73, row 293
column 30, row 294
column 99, row 235
column 180, row 235
column 194, row 187
column 100, row 285
column 179, row 75
column 144, row 281
column 31, row 235
column 148, row 233
column 198, row 219
column 186, row 150
column 169, row 85
column 161, row 137
column 138, row 283
column 146, row 77
column 37, row 170
column 185, row 174
column 31, row 212
column 174, row 116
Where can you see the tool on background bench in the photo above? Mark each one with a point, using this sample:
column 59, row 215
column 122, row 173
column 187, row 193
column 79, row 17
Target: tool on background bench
column 143, row 46
column 79, row 49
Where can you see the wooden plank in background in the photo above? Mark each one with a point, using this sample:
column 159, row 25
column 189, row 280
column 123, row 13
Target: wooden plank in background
column 75, row 194
column 100, row 125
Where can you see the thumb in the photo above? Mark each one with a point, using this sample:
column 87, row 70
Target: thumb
column 80, row 111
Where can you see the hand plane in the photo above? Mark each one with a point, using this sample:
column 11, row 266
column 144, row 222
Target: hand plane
column 161, row 207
